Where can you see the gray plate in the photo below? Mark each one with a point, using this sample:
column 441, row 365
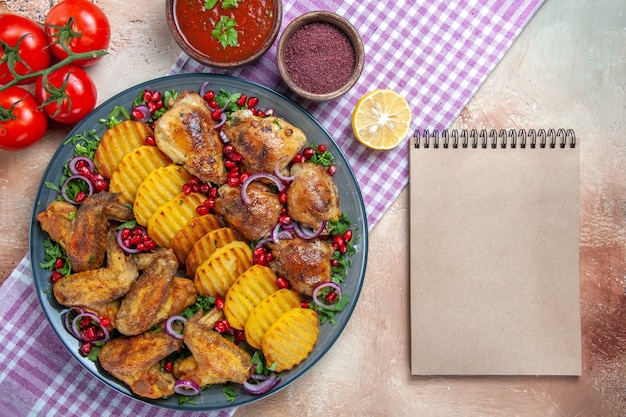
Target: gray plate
column 351, row 204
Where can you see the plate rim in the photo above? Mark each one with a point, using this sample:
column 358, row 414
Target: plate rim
column 106, row 107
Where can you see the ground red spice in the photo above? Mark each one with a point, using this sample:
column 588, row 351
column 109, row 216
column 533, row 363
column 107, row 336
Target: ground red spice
column 319, row 58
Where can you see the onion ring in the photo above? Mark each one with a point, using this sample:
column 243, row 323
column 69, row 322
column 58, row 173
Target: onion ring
column 306, row 233
column 120, row 242
column 71, row 165
column 186, row 387
column 257, row 176
column 323, row 285
column 169, row 329
column 70, row 179
column 261, row 387
column 145, row 113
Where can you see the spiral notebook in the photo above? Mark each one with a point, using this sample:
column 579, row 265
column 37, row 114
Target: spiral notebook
column 494, row 272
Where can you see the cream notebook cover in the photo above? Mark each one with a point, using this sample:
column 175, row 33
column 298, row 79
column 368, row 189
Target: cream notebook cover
column 494, row 274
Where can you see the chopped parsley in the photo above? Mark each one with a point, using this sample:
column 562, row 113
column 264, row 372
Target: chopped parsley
column 225, row 32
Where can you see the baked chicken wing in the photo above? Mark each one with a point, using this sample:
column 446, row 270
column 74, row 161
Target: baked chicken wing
column 265, row 143
column 135, row 360
column 185, row 133
column 313, row 196
column 304, row 263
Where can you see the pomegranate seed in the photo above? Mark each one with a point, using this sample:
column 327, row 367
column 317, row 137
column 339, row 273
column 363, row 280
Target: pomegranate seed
column 228, row 149
column 158, row 104
column 260, row 259
column 216, row 114
column 334, row 262
column 156, row 96
column 242, row 100
column 219, row 302
column 137, row 114
column 240, row 335
column 147, row 95
column 331, row 170
column 298, row 158
column 228, row 164
column 282, row 282
column 151, row 107
column 347, row 236
column 204, row 188
column 186, row 189
column 244, row 176
column 85, row 322
column 308, row 153
column 343, row 248
column 213, row 192
column 59, row 263
column 284, row 219
column 149, row 140
column 105, row 322
column 141, row 247
column 253, row 101
column 80, row 196
column 125, row 233
column 269, row 257
column 236, row 156
column 202, row 210
column 55, row 276
column 209, row 95
column 234, row 181
column 338, row 240
column 282, row 197
column 209, row 203
column 331, row 297
column 321, row 148
column 260, row 113
column 304, row 304
column 86, row 348
column 195, row 180
column 168, row 366
column 101, row 185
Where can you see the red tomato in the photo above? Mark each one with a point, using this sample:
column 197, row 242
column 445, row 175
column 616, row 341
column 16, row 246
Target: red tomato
column 69, row 95
column 32, row 54
column 90, row 29
column 22, row 123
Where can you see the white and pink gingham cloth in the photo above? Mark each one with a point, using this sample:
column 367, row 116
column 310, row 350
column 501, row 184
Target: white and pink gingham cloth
column 436, row 53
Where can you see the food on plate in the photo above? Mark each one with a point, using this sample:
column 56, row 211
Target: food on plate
column 28, row 124
column 156, row 295
column 291, row 338
column 188, row 235
column 186, row 134
column 267, row 312
column 381, row 119
column 159, row 187
column 172, row 216
column 214, row 359
column 67, row 94
column 313, row 197
column 304, row 263
column 254, row 218
column 83, row 232
column 250, row 288
column 136, row 360
column 117, row 142
column 265, row 143
column 133, row 170
column 215, row 275
column 207, row 245
column 99, row 289
column 202, row 270
column 78, row 26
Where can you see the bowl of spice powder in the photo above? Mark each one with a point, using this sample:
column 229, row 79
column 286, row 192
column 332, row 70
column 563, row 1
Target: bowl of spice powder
column 320, row 55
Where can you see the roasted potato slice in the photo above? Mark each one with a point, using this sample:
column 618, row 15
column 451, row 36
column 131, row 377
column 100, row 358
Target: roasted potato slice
column 215, row 276
column 267, row 312
column 133, row 170
column 172, row 216
column 159, row 187
column 183, row 241
column 253, row 286
column 206, row 245
column 291, row 338
column 117, row 142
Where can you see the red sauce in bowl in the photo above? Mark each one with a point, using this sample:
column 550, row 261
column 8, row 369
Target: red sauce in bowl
column 255, row 20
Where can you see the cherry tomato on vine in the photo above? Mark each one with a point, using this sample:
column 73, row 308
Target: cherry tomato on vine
column 89, row 29
column 23, row 45
column 22, row 123
column 68, row 96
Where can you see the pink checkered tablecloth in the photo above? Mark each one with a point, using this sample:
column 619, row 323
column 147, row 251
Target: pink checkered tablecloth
column 436, row 53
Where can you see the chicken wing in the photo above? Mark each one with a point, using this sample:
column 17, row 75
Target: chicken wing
column 156, row 295
column 313, row 196
column 98, row 288
column 84, row 237
column 214, row 359
column 304, row 263
column 265, row 143
column 135, row 360
column 185, row 133
column 255, row 220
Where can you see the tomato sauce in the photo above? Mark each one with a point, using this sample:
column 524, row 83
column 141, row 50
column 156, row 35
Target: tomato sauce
column 254, row 23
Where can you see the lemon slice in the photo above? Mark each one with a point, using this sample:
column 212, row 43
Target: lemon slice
column 381, row 119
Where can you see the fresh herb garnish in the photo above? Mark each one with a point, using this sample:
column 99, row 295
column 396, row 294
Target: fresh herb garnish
column 113, row 118
column 327, row 314
column 209, row 4
column 85, row 144
column 324, row 159
column 230, row 4
column 225, row 32
column 230, row 394
column 204, row 303
column 54, row 251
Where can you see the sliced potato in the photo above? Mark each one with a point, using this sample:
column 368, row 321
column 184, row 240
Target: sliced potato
column 253, row 286
column 117, row 142
column 206, row 245
column 183, row 241
column 267, row 312
column 291, row 338
column 159, row 187
column 133, row 170
column 215, row 276
column 172, row 216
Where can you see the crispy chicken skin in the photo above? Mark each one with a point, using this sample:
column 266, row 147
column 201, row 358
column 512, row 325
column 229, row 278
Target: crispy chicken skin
column 135, row 360
column 214, row 359
column 313, row 196
column 185, row 133
column 85, row 237
column 156, row 295
column 304, row 263
column 98, row 288
column 265, row 143
column 252, row 221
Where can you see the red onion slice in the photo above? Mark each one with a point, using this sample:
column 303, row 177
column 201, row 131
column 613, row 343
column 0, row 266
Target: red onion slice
column 120, row 242
column 186, row 387
column 323, row 285
column 145, row 113
column 254, row 177
column 261, row 387
column 93, row 317
column 70, row 179
column 221, row 122
column 71, row 165
column 306, row 233
column 281, row 176
column 169, row 326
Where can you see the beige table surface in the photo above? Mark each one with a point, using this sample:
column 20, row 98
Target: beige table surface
column 567, row 70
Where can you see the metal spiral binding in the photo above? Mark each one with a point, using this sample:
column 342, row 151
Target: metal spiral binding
column 503, row 138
